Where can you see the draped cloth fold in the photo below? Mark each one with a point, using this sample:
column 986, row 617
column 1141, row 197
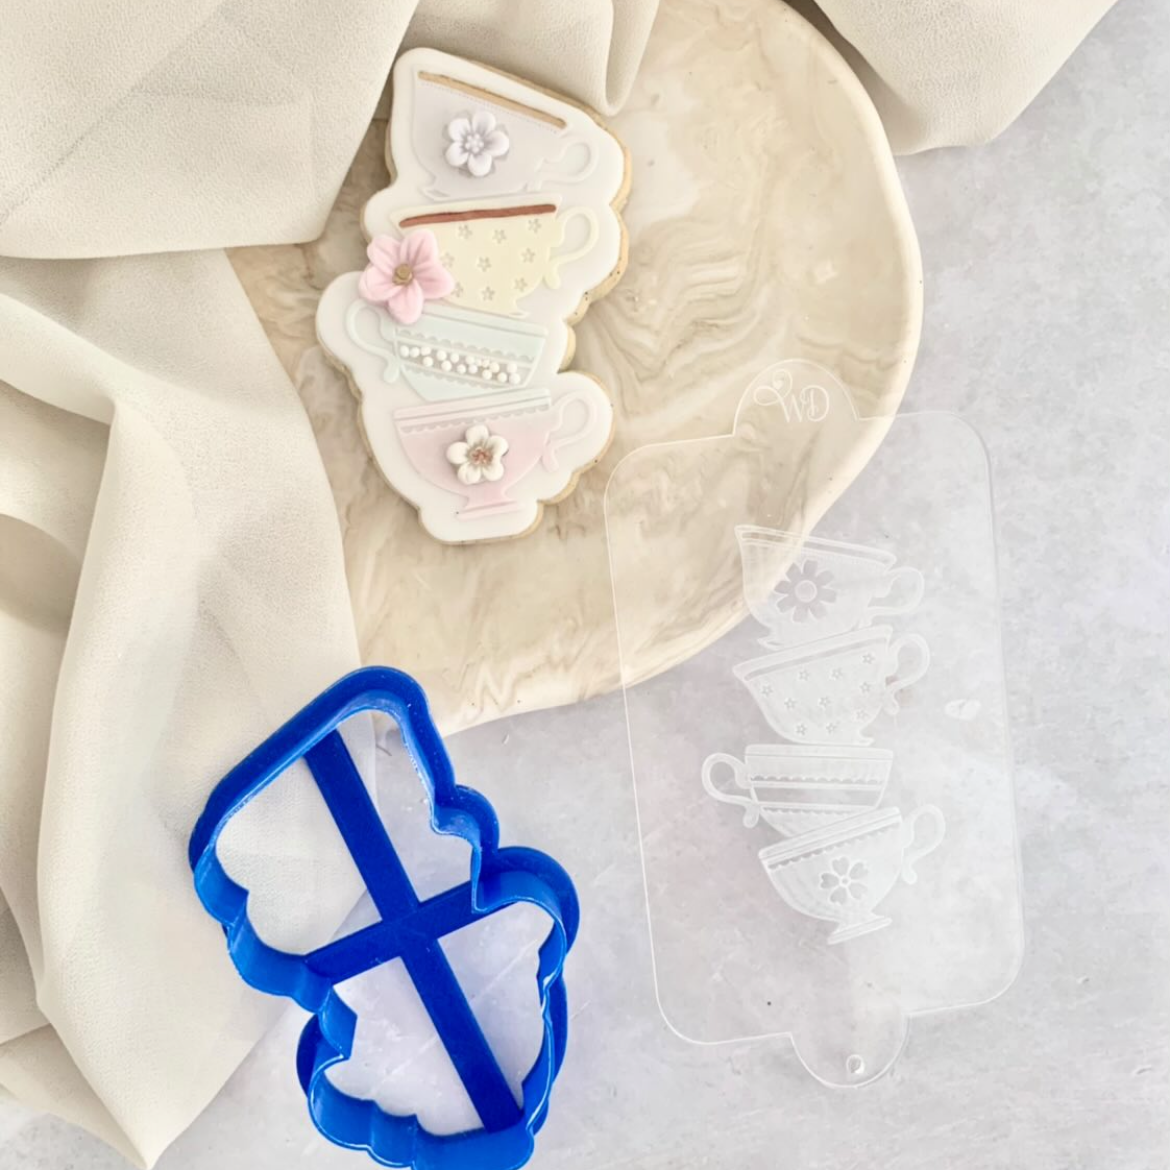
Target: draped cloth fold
column 171, row 578
column 172, row 589
column 957, row 72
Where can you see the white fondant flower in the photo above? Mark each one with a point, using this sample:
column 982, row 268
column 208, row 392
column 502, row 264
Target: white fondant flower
column 476, row 142
column 480, row 456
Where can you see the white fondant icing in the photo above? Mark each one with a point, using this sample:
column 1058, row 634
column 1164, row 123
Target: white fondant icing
column 420, row 113
column 517, row 188
column 574, row 418
column 543, row 147
column 478, row 342
column 578, row 409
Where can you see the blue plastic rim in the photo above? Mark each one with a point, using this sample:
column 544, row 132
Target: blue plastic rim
column 408, row 929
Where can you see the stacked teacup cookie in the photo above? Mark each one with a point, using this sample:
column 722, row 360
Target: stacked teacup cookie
column 499, row 226
column 828, row 675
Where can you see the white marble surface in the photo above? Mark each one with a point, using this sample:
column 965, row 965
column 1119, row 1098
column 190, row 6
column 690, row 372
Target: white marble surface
column 1047, row 256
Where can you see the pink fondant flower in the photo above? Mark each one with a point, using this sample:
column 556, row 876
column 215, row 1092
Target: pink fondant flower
column 404, row 274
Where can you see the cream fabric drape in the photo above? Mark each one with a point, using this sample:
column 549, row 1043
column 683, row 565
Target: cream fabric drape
column 171, row 583
column 171, row 591
column 196, row 124
column 953, row 72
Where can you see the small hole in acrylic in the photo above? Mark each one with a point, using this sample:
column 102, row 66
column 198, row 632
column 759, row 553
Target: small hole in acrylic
column 854, row 1065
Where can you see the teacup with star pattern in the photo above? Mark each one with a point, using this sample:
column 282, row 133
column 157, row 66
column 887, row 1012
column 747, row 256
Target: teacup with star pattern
column 830, row 691
column 501, row 251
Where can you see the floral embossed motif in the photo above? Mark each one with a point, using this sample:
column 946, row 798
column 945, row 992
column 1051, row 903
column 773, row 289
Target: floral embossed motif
column 845, row 879
column 476, row 141
column 806, row 592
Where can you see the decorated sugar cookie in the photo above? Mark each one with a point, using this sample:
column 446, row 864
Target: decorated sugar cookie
column 500, row 225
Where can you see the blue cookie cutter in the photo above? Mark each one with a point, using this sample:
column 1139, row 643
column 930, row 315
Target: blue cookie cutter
column 408, row 929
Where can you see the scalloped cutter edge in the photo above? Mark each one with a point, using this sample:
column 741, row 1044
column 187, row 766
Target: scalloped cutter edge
column 408, row 929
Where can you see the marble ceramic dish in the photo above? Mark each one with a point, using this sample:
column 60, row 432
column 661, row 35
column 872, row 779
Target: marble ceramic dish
column 766, row 222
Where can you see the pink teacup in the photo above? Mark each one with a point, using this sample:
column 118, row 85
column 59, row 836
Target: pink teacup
column 533, row 424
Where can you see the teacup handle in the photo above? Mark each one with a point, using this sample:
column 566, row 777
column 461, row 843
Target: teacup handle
column 553, row 174
column 918, row 643
column 549, row 459
column 553, row 276
column 739, row 773
column 917, row 588
column 393, row 366
column 911, row 856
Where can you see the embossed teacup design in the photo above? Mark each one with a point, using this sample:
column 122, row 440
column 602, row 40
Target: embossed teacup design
column 797, row 788
column 532, row 424
column 804, row 590
column 449, row 353
column 829, row 692
column 840, row 873
column 501, row 252
column 541, row 148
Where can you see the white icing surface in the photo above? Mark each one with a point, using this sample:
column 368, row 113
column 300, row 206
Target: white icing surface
column 544, row 153
column 577, row 404
column 517, row 188
column 441, row 355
